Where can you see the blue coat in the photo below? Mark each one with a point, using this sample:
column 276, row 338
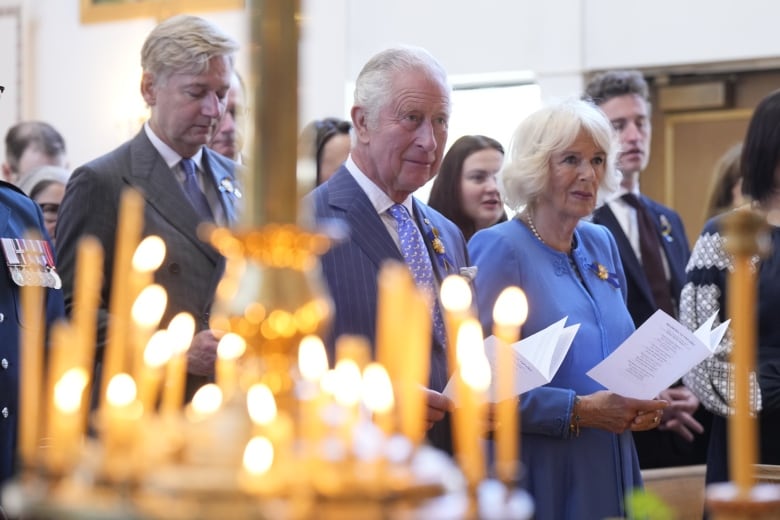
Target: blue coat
column 351, row 267
column 17, row 214
column 570, row 478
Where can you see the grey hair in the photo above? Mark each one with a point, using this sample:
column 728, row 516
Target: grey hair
column 184, row 44
column 545, row 132
column 374, row 86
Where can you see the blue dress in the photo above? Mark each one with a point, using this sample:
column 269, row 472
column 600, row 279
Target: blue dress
column 569, row 477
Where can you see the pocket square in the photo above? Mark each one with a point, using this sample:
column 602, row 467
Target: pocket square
column 469, row 273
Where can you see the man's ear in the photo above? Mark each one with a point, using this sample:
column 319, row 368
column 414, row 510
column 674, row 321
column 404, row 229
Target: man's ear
column 360, row 123
column 148, row 88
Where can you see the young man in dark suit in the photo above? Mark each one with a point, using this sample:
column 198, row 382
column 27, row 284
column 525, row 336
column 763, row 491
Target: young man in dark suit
column 400, row 116
column 183, row 182
column 654, row 280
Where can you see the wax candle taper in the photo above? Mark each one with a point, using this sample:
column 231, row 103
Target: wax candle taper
column 509, row 314
column 474, row 375
column 180, row 332
column 30, row 371
column 130, row 221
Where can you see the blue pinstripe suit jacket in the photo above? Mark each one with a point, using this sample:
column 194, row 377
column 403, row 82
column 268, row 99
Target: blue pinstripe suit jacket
column 351, row 267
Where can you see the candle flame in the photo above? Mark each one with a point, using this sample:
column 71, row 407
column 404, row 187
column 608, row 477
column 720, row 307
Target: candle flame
column 511, row 307
column 180, row 332
column 121, row 390
column 68, row 390
column 328, row 382
column 231, row 346
column 455, row 294
column 258, row 455
column 312, row 359
column 348, row 382
column 149, row 254
column 158, row 349
column 473, row 364
column 150, row 306
column 469, row 342
column 261, row 404
column 207, row 399
column 377, row 388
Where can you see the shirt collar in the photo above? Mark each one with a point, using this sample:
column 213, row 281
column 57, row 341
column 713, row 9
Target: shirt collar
column 378, row 198
column 169, row 155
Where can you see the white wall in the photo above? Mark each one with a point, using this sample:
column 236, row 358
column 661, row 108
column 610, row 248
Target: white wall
column 84, row 78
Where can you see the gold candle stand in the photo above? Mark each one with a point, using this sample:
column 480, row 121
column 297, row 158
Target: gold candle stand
column 745, row 237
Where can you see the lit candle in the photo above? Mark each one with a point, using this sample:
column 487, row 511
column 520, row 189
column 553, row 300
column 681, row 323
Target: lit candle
column 456, row 300
column 414, row 365
column 229, row 349
column 378, row 396
column 393, row 292
column 59, row 362
column 180, row 332
column 66, row 421
column 312, row 365
column 30, row 371
column 86, row 296
column 121, row 416
column 509, row 314
column 474, row 376
column 205, row 403
column 156, row 355
column 256, row 476
column 261, row 404
column 148, row 256
column 146, row 313
column 128, row 233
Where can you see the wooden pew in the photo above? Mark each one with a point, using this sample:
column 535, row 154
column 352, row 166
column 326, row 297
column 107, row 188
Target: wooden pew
column 681, row 488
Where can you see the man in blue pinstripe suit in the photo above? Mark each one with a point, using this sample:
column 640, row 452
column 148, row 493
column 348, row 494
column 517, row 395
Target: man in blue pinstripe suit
column 400, row 117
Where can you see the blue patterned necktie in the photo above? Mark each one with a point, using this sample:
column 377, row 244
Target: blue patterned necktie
column 419, row 261
column 193, row 191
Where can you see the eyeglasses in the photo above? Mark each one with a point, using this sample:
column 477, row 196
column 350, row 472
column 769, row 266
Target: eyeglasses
column 49, row 210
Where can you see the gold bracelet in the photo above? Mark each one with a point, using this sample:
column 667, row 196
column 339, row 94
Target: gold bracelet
column 574, row 425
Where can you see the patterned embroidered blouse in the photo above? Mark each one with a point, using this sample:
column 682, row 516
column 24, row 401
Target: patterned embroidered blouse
column 704, row 293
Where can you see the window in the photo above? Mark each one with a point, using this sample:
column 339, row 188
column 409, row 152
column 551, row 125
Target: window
column 491, row 105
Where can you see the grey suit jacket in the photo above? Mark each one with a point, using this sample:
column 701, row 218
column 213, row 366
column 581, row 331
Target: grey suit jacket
column 191, row 269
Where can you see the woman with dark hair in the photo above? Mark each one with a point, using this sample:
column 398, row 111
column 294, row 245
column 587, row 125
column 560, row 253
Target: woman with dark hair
column 466, row 190
column 706, row 290
column 328, row 141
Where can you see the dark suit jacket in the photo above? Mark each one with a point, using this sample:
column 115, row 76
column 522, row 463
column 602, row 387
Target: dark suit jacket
column 17, row 215
column 657, row 448
column 671, row 234
column 351, row 267
column 191, row 269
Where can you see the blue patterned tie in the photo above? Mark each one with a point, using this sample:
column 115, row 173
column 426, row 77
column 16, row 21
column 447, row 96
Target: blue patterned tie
column 419, row 261
column 193, row 191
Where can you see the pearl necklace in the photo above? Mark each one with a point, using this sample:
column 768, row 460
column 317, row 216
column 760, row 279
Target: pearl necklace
column 533, row 228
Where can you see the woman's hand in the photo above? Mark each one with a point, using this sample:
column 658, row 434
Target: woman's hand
column 612, row 412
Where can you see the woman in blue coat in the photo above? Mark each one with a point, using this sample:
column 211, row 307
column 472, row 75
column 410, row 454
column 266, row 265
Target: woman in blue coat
column 577, row 450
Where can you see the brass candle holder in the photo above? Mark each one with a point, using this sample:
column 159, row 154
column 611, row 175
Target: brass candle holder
column 746, row 239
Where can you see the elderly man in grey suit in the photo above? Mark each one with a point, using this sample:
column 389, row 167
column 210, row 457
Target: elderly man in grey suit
column 187, row 65
column 400, row 116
